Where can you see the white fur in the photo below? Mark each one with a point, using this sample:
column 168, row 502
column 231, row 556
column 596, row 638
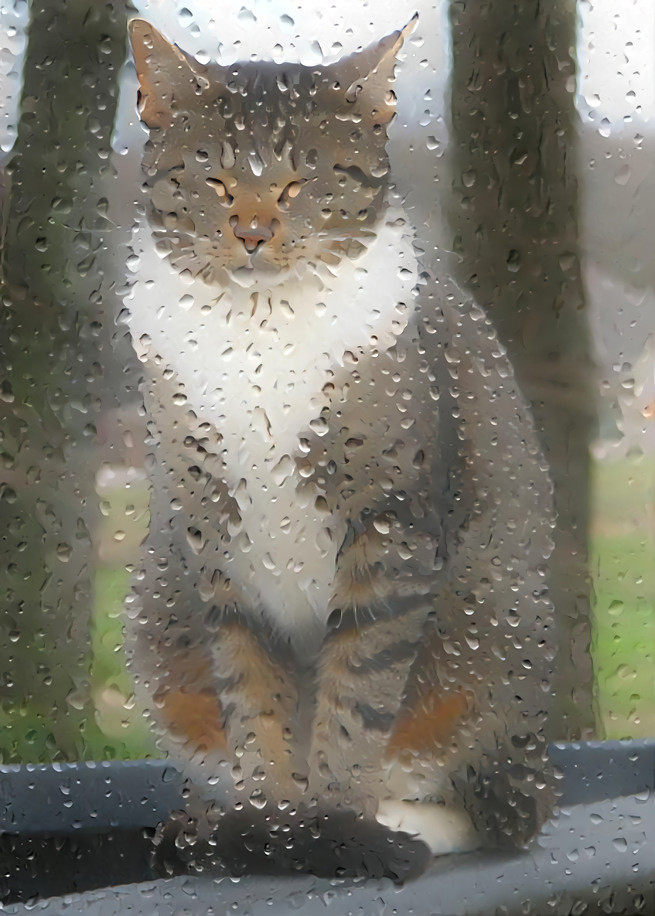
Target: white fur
column 253, row 362
column 444, row 830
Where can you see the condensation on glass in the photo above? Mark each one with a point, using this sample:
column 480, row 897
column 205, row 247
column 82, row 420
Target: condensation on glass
column 328, row 392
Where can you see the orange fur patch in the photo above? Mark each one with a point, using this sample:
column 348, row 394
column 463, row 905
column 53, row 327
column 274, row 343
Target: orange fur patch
column 196, row 716
column 421, row 728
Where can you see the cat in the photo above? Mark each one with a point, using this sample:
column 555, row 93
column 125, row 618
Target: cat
column 341, row 624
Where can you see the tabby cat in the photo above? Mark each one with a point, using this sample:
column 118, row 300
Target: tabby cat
column 341, row 625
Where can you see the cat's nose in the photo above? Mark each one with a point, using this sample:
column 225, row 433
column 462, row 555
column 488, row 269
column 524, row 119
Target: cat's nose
column 252, row 242
column 252, row 235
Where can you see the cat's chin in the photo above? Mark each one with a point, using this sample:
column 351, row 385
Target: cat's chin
column 270, row 276
column 252, row 277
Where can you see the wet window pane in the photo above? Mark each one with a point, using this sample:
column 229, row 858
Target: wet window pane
column 327, row 363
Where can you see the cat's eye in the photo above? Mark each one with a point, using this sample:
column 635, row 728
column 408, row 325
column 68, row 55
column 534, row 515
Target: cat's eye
column 221, row 191
column 291, row 191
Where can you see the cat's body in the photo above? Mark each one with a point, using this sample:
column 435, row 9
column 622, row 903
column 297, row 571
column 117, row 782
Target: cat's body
column 342, row 603
column 254, row 365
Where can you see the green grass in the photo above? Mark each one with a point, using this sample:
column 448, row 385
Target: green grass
column 117, row 715
column 113, row 728
column 622, row 547
column 622, row 568
column 110, row 725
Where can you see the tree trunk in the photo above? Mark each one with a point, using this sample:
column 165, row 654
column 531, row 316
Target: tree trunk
column 55, row 328
column 514, row 218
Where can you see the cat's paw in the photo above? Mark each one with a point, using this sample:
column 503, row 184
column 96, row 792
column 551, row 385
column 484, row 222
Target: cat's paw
column 443, row 829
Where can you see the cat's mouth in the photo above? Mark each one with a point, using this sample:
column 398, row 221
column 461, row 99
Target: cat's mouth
column 254, row 273
column 258, row 271
column 214, row 262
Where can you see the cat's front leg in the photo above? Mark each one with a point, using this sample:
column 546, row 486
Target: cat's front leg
column 365, row 661
column 259, row 699
column 221, row 698
column 361, row 679
column 224, row 706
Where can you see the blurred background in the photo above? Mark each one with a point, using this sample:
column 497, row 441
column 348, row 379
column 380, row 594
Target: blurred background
column 525, row 148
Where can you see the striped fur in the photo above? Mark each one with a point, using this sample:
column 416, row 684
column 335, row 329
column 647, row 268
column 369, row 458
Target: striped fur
column 342, row 604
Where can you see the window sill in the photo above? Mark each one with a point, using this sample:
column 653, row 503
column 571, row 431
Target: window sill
column 79, row 827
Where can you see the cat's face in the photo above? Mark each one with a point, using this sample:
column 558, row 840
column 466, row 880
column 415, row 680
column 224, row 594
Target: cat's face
column 262, row 168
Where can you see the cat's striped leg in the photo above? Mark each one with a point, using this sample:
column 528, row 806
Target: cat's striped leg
column 361, row 679
column 364, row 664
column 377, row 749
column 259, row 699
column 469, row 734
column 225, row 706
column 382, row 713
column 222, row 705
column 187, row 705
column 174, row 679
column 423, row 738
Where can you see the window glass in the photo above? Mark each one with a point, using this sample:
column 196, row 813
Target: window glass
column 327, row 365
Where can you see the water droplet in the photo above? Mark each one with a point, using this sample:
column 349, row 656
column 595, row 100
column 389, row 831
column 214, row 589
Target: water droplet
column 269, row 563
column 257, row 800
column 283, row 469
column 382, row 524
column 623, row 175
column 195, row 539
column 514, row 261
column 64, row 552
column 319, row 426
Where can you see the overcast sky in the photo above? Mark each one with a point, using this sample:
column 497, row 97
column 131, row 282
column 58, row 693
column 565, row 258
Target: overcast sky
column 616, row 43
column 616, row 52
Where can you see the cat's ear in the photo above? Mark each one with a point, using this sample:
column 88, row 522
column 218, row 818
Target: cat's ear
column 370, row 72
column 166, row 74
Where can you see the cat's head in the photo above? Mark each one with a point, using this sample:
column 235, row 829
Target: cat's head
column 259, row 167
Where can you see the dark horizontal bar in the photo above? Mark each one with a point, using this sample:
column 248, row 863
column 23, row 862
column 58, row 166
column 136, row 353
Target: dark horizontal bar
column 595, row 770
column 60, row 798
column 592, row 859
column 80, row 827
column 127, row 795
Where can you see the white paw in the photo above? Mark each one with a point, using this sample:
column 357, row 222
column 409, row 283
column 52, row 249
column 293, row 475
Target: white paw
column 444, row 830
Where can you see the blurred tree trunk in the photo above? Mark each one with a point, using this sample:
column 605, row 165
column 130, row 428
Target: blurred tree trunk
column 514, row 219
column 55, row 327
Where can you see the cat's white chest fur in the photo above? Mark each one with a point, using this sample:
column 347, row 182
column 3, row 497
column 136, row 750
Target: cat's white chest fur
column 253, row 362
